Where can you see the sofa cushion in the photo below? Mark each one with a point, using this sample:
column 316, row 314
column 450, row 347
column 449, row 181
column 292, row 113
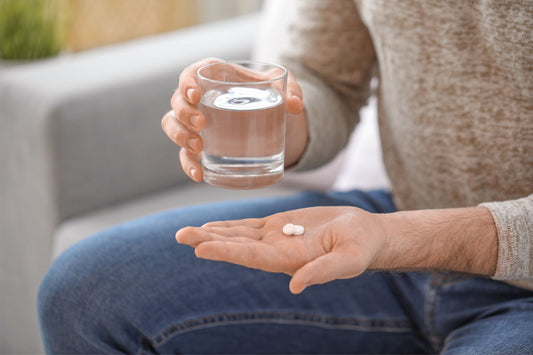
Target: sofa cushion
column 80, row 227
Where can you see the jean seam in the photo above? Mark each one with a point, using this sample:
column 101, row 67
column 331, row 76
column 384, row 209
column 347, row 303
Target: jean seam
column 430, row 308
column 295, row 318
column 146, row 347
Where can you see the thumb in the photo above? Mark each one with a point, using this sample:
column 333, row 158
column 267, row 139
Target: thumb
column 328, row 267
column 295, row 104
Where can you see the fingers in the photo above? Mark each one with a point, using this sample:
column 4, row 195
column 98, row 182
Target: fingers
column 244, row 74
column 328, row 267
column 191, row 144
column 180, row 135
column 249, row 222
column 254, row 255
column 193, row 236
column 184, row 122
column 243, row 231
column 188, row 115
column 295, row 104
column 190, row 163
column 188, row 87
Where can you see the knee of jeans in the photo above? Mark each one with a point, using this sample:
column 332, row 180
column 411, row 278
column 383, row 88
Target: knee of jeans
column 56, row 291
column 68, row 299
column 69, row 287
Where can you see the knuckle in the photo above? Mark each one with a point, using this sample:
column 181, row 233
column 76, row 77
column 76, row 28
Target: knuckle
column 180, row 137
column 183, row 114
column 180, row 77
column 183, row 157
column 186, row 78
column 183, row 161
column 183, row 76
column 182, row 80
column 174, row 99
column 179, row 111
column 166, row 120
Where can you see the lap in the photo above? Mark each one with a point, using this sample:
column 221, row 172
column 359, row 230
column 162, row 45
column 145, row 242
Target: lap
column 473, row 315
column 510, row 332
column 132, row 288
column 137, row 280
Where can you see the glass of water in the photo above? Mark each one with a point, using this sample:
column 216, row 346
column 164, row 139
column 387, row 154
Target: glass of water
column 244, row 137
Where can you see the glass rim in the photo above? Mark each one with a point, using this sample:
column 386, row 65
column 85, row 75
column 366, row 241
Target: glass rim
column 284, row 74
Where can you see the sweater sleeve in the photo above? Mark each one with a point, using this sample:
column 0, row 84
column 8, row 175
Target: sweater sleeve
column 329, row 50
column 514, row 224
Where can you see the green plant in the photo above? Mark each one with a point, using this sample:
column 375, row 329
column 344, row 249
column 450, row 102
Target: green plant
column 28, row 29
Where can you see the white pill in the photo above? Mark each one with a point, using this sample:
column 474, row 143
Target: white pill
column 298, row 230
column 288, row 229
column 293, row 229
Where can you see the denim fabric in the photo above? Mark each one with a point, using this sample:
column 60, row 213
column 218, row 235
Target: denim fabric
column 133, row 289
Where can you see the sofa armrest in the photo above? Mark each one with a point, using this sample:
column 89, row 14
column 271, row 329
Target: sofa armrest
column 83, row 131
column 104, row 108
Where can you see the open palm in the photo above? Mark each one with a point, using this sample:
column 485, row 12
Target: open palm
column 339, row 242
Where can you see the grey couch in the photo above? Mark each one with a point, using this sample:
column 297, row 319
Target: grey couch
column 81, row 149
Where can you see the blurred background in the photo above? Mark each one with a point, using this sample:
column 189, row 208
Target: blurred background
column 33, row 29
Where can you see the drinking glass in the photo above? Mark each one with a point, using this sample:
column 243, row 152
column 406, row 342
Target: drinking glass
column 244, row 137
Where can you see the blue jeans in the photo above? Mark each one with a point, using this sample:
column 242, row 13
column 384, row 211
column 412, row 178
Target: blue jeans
column 133, row 289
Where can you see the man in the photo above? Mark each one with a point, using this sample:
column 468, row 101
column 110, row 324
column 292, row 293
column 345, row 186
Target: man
column 455, row 115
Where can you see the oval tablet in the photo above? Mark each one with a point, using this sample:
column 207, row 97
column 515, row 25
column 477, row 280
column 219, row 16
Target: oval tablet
column 288, row 229
column 298, row 230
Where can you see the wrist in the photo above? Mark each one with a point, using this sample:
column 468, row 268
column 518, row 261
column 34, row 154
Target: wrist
column 462, row 239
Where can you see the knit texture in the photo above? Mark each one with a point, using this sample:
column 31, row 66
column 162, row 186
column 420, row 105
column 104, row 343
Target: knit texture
column 455, row 102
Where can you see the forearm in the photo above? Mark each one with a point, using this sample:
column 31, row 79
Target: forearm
column 461, row 239
column 328, row 48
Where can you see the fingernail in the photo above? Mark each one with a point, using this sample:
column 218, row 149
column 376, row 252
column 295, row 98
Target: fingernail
column 193, row 173
column 190, row 93
column 195, row 120
column 193, row 143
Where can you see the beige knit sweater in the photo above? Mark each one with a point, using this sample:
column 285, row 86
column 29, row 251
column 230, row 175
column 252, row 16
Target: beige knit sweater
column 455, row 102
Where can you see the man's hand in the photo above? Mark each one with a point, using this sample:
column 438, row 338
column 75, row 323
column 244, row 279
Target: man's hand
column 184, row 122
column 343, row 242
column 338, row 243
